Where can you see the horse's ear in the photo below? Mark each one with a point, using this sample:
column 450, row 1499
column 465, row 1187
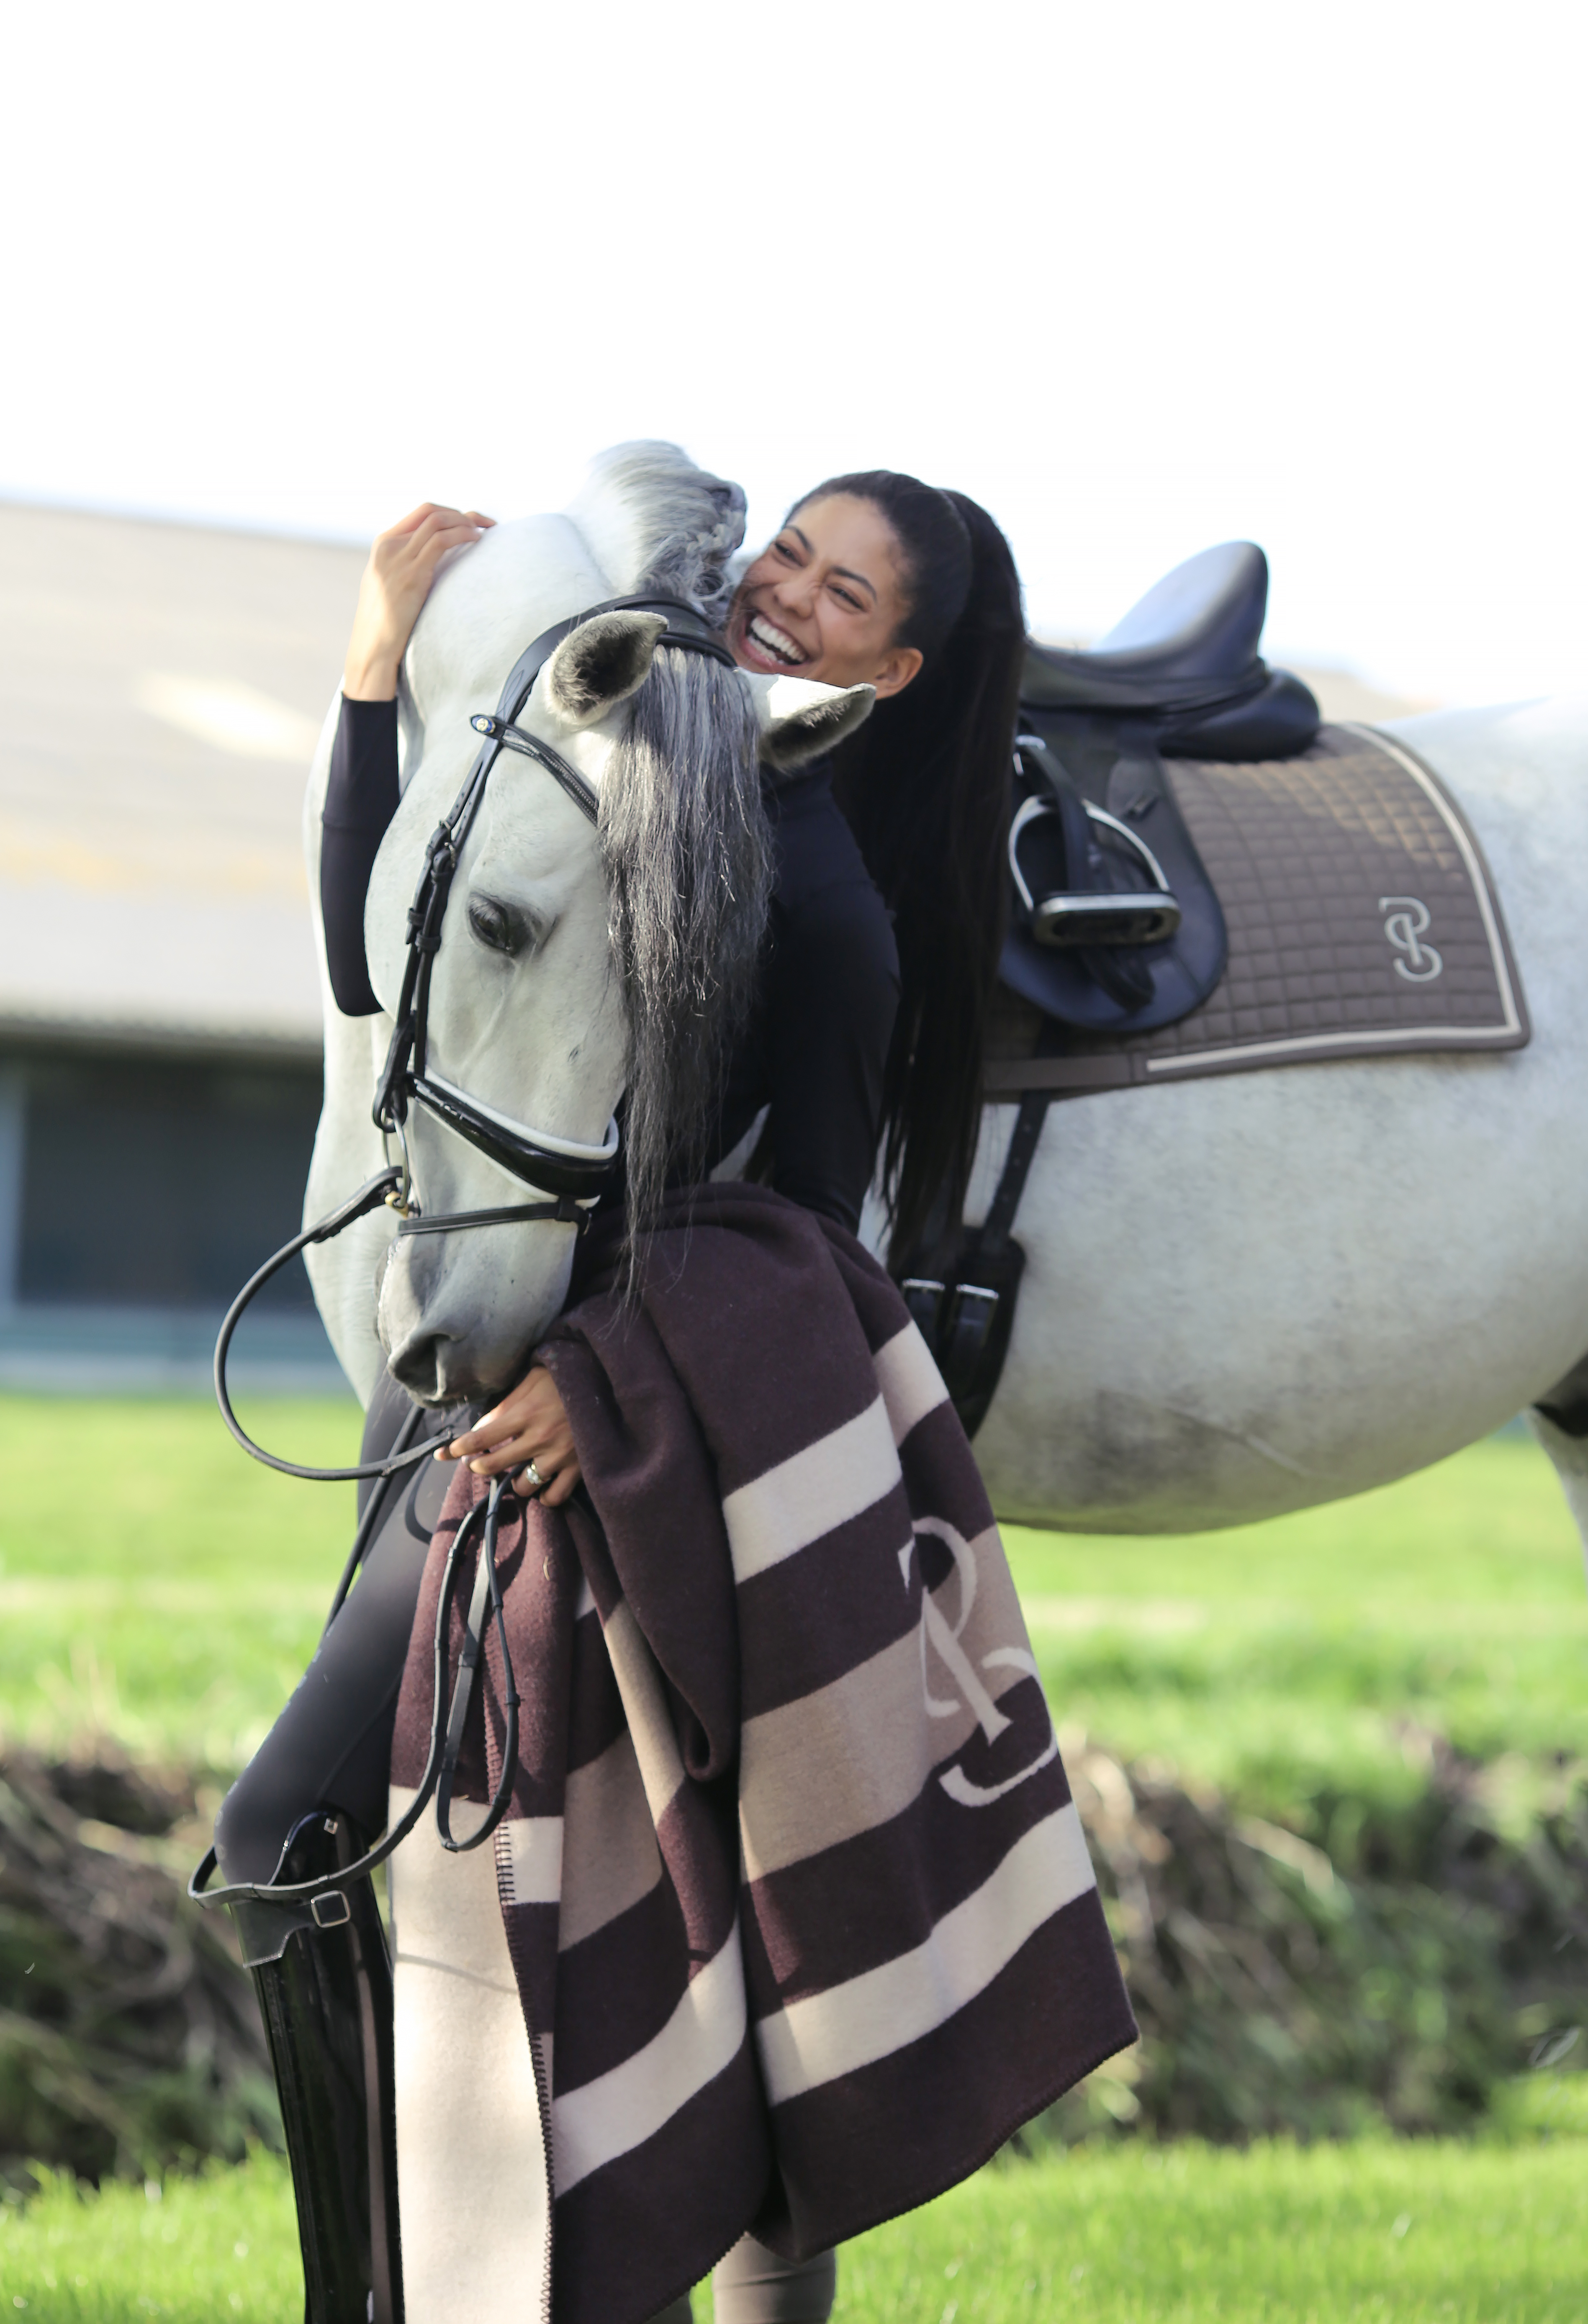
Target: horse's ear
column 799, row 719
column 601, row 664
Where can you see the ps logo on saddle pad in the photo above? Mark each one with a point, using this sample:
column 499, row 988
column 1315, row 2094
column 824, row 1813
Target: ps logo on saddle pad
column 1405, row 920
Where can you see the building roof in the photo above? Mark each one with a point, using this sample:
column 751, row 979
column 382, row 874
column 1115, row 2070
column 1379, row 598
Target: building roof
column 162, row 688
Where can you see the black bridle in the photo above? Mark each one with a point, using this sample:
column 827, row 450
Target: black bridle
column 573, row 1175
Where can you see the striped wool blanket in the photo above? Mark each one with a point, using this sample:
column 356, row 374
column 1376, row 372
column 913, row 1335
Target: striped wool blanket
column 800, row 1910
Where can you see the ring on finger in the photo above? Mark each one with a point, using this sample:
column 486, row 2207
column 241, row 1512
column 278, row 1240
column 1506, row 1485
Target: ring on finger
column 536, row 1481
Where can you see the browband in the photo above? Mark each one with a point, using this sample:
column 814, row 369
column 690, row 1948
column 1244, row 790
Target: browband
column 498, row 727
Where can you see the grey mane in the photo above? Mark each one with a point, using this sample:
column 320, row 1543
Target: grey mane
column 657, row 521
column 685, row 841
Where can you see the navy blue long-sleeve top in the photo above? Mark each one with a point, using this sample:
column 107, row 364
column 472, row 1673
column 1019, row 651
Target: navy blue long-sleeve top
column 815, row 1048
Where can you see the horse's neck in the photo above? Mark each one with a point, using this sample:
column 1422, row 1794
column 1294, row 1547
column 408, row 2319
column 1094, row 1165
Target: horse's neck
column 611, row 526
column 634, row 498
column 488, row 605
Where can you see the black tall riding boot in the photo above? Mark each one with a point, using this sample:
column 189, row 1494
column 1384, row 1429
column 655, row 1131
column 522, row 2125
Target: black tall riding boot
column 323, row 1975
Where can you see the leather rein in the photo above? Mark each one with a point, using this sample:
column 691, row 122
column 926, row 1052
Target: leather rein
column 575, row 1175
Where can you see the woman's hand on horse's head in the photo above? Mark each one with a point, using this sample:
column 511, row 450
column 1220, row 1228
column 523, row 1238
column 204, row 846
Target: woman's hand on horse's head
column 529, row 1424
column 392, row 595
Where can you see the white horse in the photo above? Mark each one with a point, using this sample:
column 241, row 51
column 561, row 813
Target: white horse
column 1243, row 1294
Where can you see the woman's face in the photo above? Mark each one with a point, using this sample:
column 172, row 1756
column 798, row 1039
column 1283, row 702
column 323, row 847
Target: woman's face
column 826, row 600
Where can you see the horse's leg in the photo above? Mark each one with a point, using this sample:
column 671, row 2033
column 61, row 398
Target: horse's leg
column 1559, row 1422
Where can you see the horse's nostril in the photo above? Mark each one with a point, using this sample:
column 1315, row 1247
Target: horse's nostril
column 417, row 1367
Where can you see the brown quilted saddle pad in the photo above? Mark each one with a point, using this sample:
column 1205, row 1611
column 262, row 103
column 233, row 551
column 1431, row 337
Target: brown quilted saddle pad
column 1362, row 918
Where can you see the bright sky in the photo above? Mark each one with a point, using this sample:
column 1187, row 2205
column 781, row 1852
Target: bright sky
column 1140, row 277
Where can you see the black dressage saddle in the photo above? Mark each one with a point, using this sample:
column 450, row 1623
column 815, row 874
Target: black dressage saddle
column 1114, row 924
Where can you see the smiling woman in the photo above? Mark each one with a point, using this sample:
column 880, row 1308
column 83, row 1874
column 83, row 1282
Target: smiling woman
column 877, row 575
column 875, row 875
column 830, row 598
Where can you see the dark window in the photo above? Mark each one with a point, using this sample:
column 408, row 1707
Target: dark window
column 163, row 1184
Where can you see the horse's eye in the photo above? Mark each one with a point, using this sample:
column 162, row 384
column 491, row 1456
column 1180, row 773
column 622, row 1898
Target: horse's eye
column 492, row 925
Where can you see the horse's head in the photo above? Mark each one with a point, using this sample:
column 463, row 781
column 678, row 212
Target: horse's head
column 578, row 964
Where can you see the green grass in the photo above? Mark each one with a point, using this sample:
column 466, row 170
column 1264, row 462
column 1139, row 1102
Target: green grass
column 157, row 1584
column 216, row 2248
column 1396, row 2234
column 1313, row 1653
column 1188, row 2234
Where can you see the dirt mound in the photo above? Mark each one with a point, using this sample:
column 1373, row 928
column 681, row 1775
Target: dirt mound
column 129, row 2039
column 1384, row 1962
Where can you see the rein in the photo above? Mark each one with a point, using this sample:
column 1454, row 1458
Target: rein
column 446, row 1739
column 573, row 1175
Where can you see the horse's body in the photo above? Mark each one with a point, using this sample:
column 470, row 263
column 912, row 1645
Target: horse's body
column 1243, row 1294
column 1248, row 1293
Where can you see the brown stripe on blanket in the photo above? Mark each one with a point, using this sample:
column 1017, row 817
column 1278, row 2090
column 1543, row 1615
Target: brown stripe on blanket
column 853, row 2152
column 609, row 2009
column 635, row 2232
column 854, row 1754
column 596, row 1711
column 828, row 1929
column 853, row 1574
column 868, row 1899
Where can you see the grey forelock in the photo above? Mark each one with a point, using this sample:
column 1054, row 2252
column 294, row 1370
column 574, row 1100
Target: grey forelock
column 687, row 523
column 686, row 850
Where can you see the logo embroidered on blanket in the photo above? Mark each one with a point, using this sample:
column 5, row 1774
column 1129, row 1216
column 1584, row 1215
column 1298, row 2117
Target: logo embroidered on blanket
column 944, row 1639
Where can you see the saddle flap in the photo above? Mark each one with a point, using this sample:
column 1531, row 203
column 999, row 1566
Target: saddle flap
column 1116, row 927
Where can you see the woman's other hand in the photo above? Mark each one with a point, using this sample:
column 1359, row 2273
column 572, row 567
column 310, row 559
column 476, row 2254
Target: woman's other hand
column 396, row 582
column 529, row 1424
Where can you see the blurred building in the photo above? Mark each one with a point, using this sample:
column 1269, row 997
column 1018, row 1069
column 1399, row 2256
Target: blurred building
column 162, row 688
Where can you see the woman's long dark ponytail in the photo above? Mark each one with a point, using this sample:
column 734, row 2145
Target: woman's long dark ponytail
column 925, row 787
